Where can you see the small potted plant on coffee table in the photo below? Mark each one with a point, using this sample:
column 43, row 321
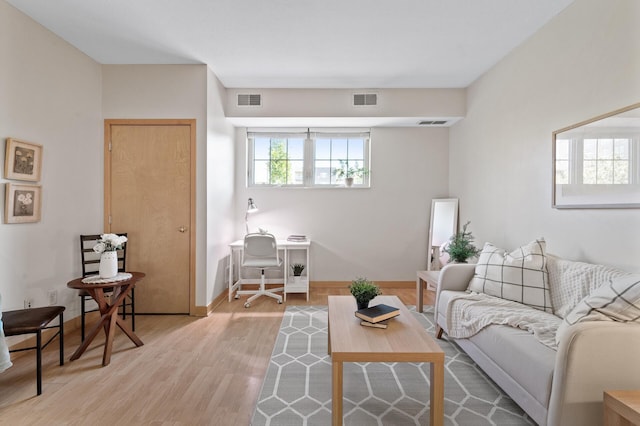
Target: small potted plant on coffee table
column 364, row 290
column 297, row 269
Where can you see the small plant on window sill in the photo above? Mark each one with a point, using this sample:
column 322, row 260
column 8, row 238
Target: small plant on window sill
column 349, row 173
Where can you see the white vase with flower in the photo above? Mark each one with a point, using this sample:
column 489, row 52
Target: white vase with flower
column 108, row 247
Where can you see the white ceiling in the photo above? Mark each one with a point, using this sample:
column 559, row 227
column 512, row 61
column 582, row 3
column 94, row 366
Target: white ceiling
column 303, row 43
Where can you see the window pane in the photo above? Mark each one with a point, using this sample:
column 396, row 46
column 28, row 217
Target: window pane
column 338, row 148
column 323, row 149
column 562, row 149
column 295, row 149
column 261, row 172
column 322, row 172
column 296, row 172
column 621, row 172
column 562, row 172
column 356, row 149
column 335, row 166
column 621, row 149
column 278, row 172
column 590, row 146
column 605, row 172
column 605, row 149
column 261, row 148
column 589, row 172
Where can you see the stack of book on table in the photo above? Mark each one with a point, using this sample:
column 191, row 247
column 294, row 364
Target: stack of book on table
column 375, row 316
column 297, row 238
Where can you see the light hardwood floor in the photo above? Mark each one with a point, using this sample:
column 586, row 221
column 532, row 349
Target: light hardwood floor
column 190, row 371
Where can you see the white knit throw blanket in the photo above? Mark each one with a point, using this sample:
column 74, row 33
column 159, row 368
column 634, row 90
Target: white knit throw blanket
column 469, row 313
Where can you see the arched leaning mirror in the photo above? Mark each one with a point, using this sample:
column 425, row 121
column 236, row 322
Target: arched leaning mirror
column 596, row 163
column 443, row 224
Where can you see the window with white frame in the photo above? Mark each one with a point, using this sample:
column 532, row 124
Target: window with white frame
column 597, row 160
column 308, row 159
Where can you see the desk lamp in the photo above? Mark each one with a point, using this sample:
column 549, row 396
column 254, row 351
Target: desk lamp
column 251, row 208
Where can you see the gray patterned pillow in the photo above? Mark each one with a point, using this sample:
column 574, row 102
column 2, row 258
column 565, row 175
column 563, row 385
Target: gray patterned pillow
column 618, row 300
column 520, row 276
column 570, row 282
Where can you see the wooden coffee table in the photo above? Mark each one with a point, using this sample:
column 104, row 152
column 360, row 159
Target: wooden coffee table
column 621, row 407
column 405, row 340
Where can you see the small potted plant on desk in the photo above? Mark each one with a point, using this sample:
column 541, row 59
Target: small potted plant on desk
column 349, row 173
column 460, row 246
column 364, row 290
column 297, row 269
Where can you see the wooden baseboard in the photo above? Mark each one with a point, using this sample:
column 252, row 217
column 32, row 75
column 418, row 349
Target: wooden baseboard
column 345, row 284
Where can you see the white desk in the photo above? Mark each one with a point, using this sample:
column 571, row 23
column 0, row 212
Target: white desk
column 288, row 255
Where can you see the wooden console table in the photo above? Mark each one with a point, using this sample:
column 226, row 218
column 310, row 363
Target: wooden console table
column 108, row 311
column 622, row 408
column 428, row 278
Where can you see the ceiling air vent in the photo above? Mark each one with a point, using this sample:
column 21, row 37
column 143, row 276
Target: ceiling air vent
column 365, row 99
column 249, row 100
column 432, row 123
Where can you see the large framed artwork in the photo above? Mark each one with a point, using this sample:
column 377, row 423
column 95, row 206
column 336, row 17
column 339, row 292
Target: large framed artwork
column 22, row 203
column 23, row 160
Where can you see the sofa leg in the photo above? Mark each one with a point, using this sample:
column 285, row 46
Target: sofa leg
column 438, row 332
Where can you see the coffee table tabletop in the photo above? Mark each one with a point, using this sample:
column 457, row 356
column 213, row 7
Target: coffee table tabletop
column 405, row 340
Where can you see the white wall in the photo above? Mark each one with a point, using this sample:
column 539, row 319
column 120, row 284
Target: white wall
column 584, row 63
column 49, row 94
column 379, row 233
column 167, row 91
column 219, row 193
column 338, row 103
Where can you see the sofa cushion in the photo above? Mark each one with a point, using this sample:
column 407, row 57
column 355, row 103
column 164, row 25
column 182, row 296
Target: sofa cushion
column 520, row 276
column 570, row 282
column 618, row 300
column 521, row 356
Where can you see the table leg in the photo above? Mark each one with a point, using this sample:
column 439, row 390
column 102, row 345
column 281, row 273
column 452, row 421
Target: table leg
column 336, row 394
column 87, row 341
column 436, row 412
column 108, row 345
column 419, row 302
column 126, row 330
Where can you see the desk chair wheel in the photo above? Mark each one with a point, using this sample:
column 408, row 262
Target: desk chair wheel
column 246, row 305
column 279, row 302
column 236, row 296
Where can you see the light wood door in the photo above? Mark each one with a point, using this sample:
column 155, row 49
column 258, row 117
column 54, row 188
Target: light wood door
column 149, row 187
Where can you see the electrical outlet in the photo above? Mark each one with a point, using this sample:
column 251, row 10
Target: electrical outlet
column 53, row 297
column 28, row 303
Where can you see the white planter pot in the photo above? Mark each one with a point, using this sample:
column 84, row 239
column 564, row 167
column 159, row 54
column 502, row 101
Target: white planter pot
column 296, row 279
column 348, row 182
column 108, row 264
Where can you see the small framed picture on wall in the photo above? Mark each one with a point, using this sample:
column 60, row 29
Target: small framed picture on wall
column 23, row 160
column 22, row 203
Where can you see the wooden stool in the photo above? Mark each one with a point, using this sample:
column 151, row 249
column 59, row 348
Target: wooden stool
column 26, row 321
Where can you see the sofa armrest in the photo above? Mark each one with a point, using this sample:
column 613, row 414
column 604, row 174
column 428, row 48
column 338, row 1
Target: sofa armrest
column 454, row 276
column 592, row 357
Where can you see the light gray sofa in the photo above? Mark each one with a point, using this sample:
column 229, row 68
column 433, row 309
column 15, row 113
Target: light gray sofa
column 555, row 388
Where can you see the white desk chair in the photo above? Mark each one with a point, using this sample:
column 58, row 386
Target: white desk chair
column 260, row 252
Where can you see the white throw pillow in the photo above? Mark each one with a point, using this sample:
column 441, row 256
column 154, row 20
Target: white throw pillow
column 570, row 282
column 520, row 276
column 618, row 300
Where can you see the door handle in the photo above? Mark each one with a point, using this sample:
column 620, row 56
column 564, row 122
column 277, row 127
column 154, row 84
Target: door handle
column 182, row 229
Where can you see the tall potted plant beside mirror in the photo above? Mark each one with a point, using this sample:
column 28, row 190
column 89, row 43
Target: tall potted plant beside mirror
column 460, row 246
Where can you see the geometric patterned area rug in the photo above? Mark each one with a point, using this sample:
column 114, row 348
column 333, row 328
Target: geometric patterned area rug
column 297, row 386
